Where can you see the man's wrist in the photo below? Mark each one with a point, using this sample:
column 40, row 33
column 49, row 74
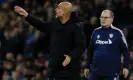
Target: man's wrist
column 26, row 14
column 69, row 57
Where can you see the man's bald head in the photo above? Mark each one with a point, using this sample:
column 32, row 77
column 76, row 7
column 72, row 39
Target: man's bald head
column 67, row 6
column 109, row 12
column 64, row 8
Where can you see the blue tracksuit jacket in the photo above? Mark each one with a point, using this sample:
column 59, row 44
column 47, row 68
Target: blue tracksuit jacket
column 105, row 50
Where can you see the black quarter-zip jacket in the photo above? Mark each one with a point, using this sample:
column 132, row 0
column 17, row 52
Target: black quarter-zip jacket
column 66, row 39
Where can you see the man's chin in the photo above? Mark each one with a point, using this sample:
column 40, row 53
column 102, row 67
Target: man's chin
column 103, row 25
column 57, row 17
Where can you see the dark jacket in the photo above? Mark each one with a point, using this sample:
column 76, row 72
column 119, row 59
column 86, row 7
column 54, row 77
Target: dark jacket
column 66, row 39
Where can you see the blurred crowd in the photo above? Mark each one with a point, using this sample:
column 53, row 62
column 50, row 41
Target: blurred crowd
column 24, row 51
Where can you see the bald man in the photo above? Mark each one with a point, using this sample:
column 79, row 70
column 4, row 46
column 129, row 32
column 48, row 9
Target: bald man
column 67, row 41
column 106, row 47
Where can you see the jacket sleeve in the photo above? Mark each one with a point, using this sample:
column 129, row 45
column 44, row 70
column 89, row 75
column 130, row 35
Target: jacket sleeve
column 124, row 50
column 90, row 52
column 79, row 40
column 38, row 24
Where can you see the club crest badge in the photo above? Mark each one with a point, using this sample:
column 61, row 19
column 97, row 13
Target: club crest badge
column 111, row 35
column 98, row 36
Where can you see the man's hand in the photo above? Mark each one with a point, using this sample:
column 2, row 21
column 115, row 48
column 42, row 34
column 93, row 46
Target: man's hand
column 20, row 11
column 125, row 72
column 67, row 60
column 86, row 73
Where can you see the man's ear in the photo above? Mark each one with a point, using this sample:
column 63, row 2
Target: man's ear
column 65, row 11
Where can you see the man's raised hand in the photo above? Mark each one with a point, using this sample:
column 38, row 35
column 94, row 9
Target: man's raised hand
column 20, row 11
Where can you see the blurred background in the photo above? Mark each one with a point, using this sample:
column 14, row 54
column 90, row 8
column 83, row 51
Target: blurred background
column 24, row 51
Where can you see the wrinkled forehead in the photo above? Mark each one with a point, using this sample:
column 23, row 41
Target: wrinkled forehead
column 106, row 13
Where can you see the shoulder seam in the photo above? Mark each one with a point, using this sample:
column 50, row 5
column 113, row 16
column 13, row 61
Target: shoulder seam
column 122, row 34
column 97, row 28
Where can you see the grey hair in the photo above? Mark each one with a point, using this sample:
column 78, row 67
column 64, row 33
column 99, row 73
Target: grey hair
column 111, row 13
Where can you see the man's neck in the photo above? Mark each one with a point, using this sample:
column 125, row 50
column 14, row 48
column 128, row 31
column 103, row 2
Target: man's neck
column 106, row 26
column 64, row 19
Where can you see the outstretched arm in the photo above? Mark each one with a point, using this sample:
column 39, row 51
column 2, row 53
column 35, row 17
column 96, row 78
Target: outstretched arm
column 40, row 25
